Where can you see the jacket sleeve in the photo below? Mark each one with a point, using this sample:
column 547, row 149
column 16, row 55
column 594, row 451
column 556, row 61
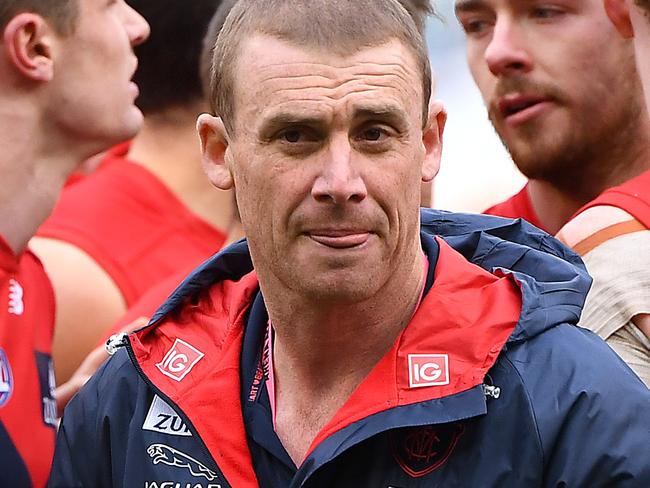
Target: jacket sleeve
column 83, row 450
column 592, row 414
column 63, row 468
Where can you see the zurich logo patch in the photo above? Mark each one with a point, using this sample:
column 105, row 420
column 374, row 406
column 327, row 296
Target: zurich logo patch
column 162, row 418
column 6, row 379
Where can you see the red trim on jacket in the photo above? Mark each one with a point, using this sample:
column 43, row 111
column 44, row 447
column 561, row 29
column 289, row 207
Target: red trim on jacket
column 468, row 314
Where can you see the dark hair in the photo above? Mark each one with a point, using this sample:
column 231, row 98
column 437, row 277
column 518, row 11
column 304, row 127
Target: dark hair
column 168, row 62
column 344, row 26
column 210, row 40
column 62, row 13
column 419, row 10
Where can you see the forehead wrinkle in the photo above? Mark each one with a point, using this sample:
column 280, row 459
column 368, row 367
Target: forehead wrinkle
column 332, row 75
column 392, row 82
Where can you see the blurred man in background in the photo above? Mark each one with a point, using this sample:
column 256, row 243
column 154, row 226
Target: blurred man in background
column 65, row 94
column 144, row 215
column 612, row 232
column 563, row 94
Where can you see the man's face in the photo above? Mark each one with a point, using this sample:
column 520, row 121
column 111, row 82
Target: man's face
column 92, row 92
column 327, row 158
column 558, row 81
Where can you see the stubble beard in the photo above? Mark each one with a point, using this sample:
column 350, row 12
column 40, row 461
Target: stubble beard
column 581, row 156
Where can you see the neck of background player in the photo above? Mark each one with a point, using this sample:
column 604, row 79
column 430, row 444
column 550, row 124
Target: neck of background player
column 555, row 200
column 35, row 161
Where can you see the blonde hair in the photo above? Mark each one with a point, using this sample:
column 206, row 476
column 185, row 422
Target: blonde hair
column 339, row 26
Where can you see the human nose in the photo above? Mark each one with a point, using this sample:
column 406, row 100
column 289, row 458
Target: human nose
column 339, row 182
column 137, row 28
column 506, row 53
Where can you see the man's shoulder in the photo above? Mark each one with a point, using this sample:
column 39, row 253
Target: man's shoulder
column 112, row 391
column 121, row 189
column 117, row 372
column 568, row 363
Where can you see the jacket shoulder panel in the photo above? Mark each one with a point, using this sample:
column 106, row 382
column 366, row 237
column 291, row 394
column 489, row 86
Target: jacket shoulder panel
column 592, row 412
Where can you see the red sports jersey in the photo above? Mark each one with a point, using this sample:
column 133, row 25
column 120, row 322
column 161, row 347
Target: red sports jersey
column 517, row 206
column 132, row 225
column 633, row 196
column 141, row 312
column 27, row 405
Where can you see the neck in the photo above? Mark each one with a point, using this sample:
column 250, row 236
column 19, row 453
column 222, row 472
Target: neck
column 322, row 352
column 35, row 163
column 332, row 347
column 168, row 146
column 552, row 206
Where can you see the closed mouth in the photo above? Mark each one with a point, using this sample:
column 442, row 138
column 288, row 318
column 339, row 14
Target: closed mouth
column 340, row 239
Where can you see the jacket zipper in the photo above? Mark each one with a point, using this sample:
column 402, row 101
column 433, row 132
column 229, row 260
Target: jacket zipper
column 204, row 448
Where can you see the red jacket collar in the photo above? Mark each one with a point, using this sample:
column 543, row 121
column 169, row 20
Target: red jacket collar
column 466, row 316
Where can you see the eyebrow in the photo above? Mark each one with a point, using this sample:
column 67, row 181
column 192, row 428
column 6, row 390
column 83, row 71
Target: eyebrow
column 282, row 119
column 385, row 112
column 469, row 5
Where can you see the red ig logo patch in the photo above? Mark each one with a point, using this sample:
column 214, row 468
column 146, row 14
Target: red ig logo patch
column 180, row 359
column 428, row 370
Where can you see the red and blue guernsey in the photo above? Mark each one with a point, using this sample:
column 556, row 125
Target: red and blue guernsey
column 27, row 407
column 633, row 196
column 491, row 384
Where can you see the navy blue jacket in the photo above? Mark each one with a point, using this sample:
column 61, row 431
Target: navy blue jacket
column 491, row 385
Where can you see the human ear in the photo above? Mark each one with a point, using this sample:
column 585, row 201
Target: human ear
column 214, row 146
column 28, row 41
column 432, row 140
column 618, row 12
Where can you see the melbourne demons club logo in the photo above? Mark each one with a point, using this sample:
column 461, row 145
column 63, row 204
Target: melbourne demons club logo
column 6, row 379
column 179, row 360
column 428, row 370
column 423, row 449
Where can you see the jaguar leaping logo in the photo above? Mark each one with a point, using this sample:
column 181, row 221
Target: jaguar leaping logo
column 160, row 453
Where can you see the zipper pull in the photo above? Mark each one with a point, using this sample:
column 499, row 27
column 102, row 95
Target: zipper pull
column 115, row 341
column 492, row 391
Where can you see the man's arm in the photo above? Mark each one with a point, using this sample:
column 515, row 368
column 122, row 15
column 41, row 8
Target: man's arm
column 82, row 457
column 88, row 302
column 590, row 233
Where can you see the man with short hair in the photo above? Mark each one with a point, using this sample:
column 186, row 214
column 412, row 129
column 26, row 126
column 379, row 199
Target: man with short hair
column 65, row 94
column 352, row 341
column 562, row 92
column 148, row 213
column 142, row 310
column 612, row 232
